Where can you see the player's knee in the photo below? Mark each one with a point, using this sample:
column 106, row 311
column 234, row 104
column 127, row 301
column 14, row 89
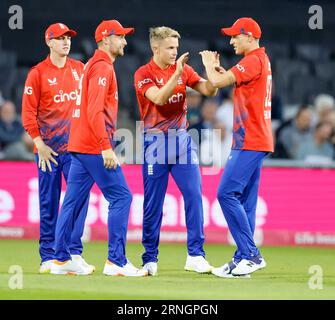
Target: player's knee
column 192, row 193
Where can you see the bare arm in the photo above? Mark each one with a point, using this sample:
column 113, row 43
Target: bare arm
column 160, row 96
column 206, row 88
column 215, row 73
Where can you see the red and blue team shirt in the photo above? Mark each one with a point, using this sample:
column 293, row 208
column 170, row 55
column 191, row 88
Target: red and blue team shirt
column 95, row 116
column 171, row 115
column 49, row 96
column 252, row 102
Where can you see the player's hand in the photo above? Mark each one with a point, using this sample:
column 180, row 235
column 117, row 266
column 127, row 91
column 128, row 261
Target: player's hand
column 210, row 58
column 45, row 156
column 181, row 62
column 220, row 69
column 110, row 159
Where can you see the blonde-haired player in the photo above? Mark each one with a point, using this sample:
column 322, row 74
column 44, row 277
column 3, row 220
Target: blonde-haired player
column 161, row 94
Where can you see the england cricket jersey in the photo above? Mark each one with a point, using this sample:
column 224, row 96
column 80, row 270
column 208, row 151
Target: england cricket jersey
column 171, row 115
column 252, row 102
column 94, row 118
column 48, row 99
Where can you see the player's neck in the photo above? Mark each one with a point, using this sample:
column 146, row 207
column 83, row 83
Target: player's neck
column 251, row 48
column 107, row 51
column 57, row 60
column 159, row 63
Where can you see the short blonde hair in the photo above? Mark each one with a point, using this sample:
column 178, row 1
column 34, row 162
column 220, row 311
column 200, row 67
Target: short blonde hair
column 161, row 33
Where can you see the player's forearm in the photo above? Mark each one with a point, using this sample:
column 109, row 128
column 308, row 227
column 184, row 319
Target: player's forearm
column 217, row 79
column 211, row 90
column 164, row 93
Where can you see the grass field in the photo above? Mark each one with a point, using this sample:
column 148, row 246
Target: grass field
column 286, row 276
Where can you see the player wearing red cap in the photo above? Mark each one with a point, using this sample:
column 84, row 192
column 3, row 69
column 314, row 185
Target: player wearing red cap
column 252, row 140
column 49, row 96
column 93, row 158
column 161, row 94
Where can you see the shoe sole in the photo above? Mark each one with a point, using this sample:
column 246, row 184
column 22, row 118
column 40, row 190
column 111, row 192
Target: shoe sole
column 123, row 275
column 70, row 273
column 231, row 276
column 44, row 272
column 193, row 270
column 242, row 274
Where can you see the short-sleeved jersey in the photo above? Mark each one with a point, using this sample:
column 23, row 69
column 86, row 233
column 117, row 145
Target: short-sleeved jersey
column 95, row 115
column 48, row 99
column 252, row 102
column 171, row 115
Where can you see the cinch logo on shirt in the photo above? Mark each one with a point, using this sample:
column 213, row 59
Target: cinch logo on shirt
column 141, row 83
column 63, row 96
column 176, row 98
column 28, row 90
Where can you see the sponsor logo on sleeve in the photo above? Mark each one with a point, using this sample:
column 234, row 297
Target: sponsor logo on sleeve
column 28, row 90
column 141, row 83
column 102, row 81
column 240, row 68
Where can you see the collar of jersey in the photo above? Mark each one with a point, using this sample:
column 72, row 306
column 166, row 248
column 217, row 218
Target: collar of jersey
column 155, row 66
column 256, row 50
column 101, row 55
column 49, row 63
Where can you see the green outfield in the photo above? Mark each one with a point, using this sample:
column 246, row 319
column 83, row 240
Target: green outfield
column 286, row 277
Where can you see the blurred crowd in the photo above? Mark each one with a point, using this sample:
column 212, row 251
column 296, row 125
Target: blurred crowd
column 308, row 136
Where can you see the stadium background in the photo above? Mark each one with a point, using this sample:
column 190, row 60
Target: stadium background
column 296, row 205
column 303, row 62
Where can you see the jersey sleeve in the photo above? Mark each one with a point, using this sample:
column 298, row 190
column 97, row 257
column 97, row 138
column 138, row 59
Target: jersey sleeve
column 143, row 81
column 249, row 68
column 192, row 76
column 30, row 103
column 98, row 81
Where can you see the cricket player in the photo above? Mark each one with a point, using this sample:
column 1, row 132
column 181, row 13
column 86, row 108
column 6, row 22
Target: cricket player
column 252, row 140
column 161, row 91
column 49, row 96
column 93, row 158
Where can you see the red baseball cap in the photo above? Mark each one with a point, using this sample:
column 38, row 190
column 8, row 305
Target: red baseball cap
column 243, row 26
column 109, row 27
column 58, row 29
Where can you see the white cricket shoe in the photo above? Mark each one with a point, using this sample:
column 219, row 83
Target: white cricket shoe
column 70, row 267
column 127, row 270
column 151, row 268
column 197, row 264
column 226, row 271
column 45, row 266
column 248, row 266
column 80, row 260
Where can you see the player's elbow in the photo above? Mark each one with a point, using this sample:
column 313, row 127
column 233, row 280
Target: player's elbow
column 159, row 101
column 212, row 93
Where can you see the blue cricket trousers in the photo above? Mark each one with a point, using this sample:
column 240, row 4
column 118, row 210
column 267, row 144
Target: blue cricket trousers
column 85, row 170
column 175, row 154
column 50, row 187
column 237, row 195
